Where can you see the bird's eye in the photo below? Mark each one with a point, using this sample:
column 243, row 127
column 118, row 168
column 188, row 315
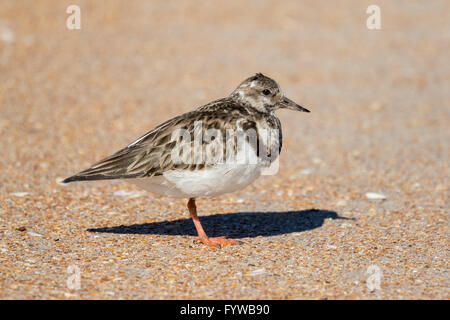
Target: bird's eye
column 266, row 92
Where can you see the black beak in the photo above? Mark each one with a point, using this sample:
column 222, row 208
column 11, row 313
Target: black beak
column 289, row 104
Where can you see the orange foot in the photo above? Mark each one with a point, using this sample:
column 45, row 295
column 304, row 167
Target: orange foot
column 217, row 241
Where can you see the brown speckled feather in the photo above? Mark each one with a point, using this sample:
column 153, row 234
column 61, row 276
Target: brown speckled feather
column 150, row 155
column 250, row 106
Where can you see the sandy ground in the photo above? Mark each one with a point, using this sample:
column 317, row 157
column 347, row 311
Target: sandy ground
column 380, row 122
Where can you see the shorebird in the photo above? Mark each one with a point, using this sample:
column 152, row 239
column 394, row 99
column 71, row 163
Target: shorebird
column 218, row 148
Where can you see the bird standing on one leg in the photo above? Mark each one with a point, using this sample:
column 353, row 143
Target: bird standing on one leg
column 218, row 148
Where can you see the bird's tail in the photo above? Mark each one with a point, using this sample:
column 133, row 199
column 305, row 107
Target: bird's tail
column 80, row 177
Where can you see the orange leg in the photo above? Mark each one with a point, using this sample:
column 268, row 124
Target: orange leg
column 222, row 241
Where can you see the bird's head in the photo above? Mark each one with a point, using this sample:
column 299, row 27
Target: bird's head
column 263, row 94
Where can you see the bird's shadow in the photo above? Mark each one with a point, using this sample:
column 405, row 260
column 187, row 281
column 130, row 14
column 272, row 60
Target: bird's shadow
column 234, row 225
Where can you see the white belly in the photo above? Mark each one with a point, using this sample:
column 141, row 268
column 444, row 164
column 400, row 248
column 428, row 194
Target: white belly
column 218, row 180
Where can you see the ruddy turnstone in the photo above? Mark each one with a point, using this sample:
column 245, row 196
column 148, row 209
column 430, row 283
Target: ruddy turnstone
column 218, row 148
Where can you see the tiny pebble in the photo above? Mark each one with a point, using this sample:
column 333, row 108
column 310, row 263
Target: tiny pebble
column 258, row 272
column 130, row 194
column 305, row 171
column 31, row 233
column 345, row 225
column 375, row 196
column 6, row 34
column 20, row 194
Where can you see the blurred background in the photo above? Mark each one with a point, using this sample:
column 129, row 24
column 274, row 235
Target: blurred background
column 379, row 121
column 379, row 98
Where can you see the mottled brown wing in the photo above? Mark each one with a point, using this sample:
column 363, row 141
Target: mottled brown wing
column 150, row 155
column 141, row 157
